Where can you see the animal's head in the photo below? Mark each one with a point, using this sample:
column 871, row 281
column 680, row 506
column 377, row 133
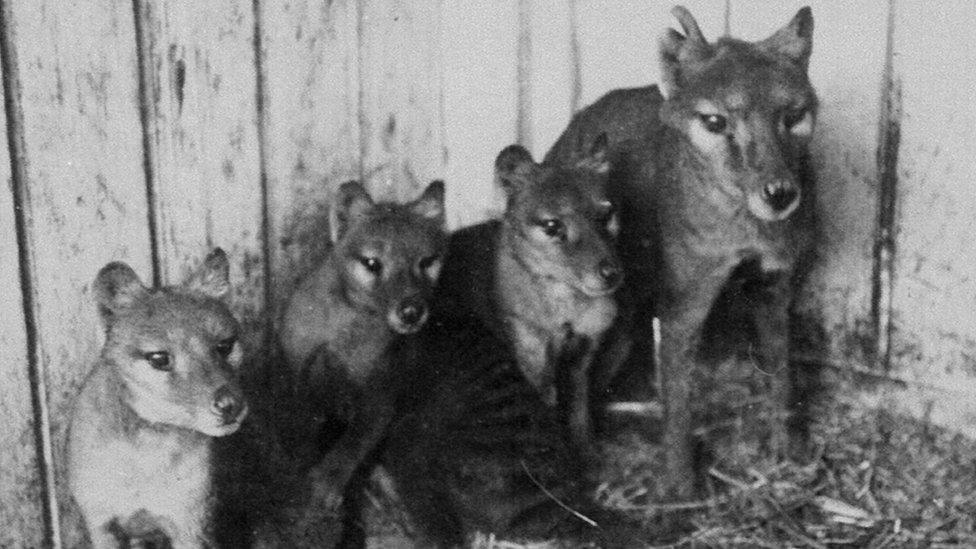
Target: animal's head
column 561, row 217
column 747, row 107
column 390, row 254
column 175, row 348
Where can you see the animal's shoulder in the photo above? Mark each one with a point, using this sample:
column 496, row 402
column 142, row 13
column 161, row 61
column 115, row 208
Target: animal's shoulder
column 624, row 114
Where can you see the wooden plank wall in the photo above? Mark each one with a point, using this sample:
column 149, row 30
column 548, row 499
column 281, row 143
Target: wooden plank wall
column 159, row 129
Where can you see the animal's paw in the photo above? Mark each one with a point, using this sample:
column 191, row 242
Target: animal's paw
column 140, row 531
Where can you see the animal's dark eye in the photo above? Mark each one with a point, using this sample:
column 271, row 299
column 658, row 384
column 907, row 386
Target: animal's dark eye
column 553, row 228
column 793, row 117
column 372, row 264
column 428, row 262
column 225, row 347
column 715, row 123
column 159, row 360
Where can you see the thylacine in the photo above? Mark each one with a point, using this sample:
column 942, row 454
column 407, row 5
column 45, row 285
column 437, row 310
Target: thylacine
column 139, row 446
column 342, row 327
column 713, row 179
column 548, row 264
column 484, row 452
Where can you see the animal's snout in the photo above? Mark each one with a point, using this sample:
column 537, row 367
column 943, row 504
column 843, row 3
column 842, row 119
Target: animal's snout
column 412, row 311
column 228, row 404
column 610, row 272
column 781, row 195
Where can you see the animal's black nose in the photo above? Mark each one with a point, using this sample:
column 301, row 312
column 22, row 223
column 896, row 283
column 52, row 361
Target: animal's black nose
column 780, row 194
column 412, row 311
column 610, row 271
column 227, row 403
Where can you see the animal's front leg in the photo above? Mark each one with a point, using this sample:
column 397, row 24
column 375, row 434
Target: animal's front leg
column 773, row 332
column 682, row 319
column 571, row 359
column 331, row 475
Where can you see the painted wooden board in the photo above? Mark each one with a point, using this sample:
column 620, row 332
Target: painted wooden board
column 401, row 110
column 310, row 125
column 478, row 51
column 21, row 481
column 86, row 198
column 200, row 92
column 934, row 289
column 553, row 74
column 618, row 41
column 846, row 68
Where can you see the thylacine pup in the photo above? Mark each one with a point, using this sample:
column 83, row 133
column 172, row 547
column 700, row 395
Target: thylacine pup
column 140, row 442
column 548, row 263
column 713, row 180
column 344, row 321
column 486, row 454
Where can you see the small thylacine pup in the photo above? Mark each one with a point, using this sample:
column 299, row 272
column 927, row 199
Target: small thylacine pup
column 486, row 454
column 344, row 322
column 140, row 441
column 713, row 180
column 548, row 264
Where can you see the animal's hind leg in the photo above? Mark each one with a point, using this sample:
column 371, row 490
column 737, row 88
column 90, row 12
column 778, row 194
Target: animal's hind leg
column 772, row 329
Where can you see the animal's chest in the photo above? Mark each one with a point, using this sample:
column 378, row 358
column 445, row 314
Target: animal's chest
column 165, row 480
column 537, row 322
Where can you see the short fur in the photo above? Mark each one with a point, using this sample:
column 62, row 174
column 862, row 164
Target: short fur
column 140, row 441
column 548, row 264
column 473, row 457
column 342, row 327
column 712, row 178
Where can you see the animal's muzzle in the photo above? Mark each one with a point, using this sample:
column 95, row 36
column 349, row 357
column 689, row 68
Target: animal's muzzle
column 228, row 404
column 409, row 315
column 611, row 273
column 781, row 195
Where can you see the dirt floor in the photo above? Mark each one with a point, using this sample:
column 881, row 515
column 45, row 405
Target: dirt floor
column 872, row 479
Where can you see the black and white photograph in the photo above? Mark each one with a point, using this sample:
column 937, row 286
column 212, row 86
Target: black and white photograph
column 487, row 274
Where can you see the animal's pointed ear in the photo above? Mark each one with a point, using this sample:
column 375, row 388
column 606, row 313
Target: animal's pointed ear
column 430, row 204
column 350, row 202
column 117, row 287
column 680, row 51
column 795, row 40
column 212, row 278
column 512, row 168
column 597, row 160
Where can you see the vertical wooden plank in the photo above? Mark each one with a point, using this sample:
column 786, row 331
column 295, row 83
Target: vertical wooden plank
column 933, row 337
column 478, row 39
column 309, row 120
column 84, row 194
column 401, row 109
column 552, row 72
column 199, row 93
column 618, row 40
column 847, row 73
column 21, row 481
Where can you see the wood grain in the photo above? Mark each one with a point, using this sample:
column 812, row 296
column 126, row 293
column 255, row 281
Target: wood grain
column 85, row 198
column 933, row 338
column 21, row 480
column 401, row 139
column 618, row 42
column 199, row 93
column 847, row 73
column 478, row 49
column 553, row 72
column 310, row 125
